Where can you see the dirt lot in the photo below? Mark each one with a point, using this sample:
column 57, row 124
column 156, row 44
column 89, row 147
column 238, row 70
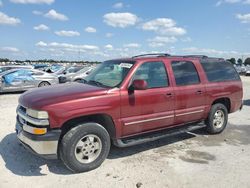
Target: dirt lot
column 183, row 161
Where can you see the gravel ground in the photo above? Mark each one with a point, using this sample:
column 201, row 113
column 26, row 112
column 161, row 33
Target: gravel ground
column 183, row 161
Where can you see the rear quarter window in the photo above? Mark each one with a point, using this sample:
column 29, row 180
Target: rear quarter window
column 219, row 71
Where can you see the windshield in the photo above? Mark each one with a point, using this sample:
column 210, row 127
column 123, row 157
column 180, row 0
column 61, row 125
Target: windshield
column 110, row 73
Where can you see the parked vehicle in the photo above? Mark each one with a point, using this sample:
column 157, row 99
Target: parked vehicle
column 127, row 102
column 9, row 67
column 77, row 76
column 247, row 73
column 56, row 69
column 41, row 67
column 24, row 79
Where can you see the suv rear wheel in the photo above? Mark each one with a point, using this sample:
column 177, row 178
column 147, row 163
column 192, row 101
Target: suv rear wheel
column 85, row 147
column 217, row 119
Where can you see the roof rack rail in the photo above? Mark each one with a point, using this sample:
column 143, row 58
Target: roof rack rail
column 197, row 56
column 153, row 54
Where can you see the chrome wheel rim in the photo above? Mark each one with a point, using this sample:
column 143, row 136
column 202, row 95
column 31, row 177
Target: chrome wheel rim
column 88, row 148
column 219, row 119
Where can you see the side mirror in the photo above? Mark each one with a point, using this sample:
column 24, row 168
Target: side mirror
column 138, row 85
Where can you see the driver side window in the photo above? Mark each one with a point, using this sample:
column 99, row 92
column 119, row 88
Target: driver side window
column 154, row 73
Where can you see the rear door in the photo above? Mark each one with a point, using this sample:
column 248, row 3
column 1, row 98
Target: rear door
column 150, row 109
column 189, row 92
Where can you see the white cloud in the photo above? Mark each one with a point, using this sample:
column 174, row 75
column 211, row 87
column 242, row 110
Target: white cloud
column 33, row 1
column 187, row 39
column 7, row 20
column 244, row 18
column 160, row 41
column 210, row 52
column 109, row 47
column 246, row 2
column 108, row 35
column 67, row 47
column 64, row 33
column 220, row 2
column 163, row 26
column 41, row 27
column 90, row 29
column 132, row 45
column 52, row 14
column 36, row 12
column 9, row 49
column 41, row 44
column 120, row 19
column 118, row 5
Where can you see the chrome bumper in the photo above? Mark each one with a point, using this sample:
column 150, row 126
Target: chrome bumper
column 43, row 145
column 39, row 147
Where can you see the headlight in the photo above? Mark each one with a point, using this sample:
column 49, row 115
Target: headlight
column 37, row 114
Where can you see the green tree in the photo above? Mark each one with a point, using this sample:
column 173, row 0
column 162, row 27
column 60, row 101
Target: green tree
column 247, row 61
column 239, row 61
column 232, row 60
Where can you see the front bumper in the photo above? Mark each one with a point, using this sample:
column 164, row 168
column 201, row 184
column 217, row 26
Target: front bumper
column 43, row 145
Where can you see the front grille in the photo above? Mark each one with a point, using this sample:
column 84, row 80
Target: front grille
column 23, row 109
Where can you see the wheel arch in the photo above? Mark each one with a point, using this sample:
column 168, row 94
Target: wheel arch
column 103, row 119
column 224, row 100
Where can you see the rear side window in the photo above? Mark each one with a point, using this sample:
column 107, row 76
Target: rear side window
column 185, row 73
column 218, row 71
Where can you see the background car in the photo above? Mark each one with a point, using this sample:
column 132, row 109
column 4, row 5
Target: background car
column 69, row 73
column 247, row 73
column 24, row 79
column 78, row 76
column 9, row 67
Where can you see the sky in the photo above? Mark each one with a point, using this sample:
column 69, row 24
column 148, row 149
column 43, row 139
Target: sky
column 98, row 30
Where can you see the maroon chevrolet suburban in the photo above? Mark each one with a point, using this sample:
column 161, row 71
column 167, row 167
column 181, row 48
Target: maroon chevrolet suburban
column 126, row 102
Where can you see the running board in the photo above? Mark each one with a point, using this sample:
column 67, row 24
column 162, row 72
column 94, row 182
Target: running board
column 149, row 137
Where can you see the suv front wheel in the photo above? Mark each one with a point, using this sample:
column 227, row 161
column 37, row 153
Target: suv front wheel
column 85, row 147
column 217, row 119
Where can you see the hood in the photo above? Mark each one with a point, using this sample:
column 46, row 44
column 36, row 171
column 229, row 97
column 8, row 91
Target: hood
column 41, row 97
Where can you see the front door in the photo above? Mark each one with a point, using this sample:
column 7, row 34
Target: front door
column 150, row 109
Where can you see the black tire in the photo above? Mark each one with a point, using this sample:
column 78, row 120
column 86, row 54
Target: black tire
column 211, row 122
column 68, row 147
column 44, row 84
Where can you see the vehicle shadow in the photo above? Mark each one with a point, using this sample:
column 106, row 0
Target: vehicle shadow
column 246, row 102
column 23, row 163
column 116, row 152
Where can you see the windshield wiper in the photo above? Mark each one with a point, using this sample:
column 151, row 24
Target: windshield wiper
column 97, row 83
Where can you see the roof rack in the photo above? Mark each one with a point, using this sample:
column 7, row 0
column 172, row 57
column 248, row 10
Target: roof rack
column 196, row 56
column 153, row 54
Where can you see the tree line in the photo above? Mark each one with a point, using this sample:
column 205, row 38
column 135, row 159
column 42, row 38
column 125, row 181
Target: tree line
column 240, row 61
column 47, row 61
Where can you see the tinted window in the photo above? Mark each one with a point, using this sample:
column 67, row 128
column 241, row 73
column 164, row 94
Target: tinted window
column 185, row 73
column 219, row 71
column 154, row 73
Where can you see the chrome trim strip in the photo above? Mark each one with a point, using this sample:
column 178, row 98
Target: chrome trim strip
column 41, row 122
column 40, row 147
column 188, row 113
column 147, row 120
